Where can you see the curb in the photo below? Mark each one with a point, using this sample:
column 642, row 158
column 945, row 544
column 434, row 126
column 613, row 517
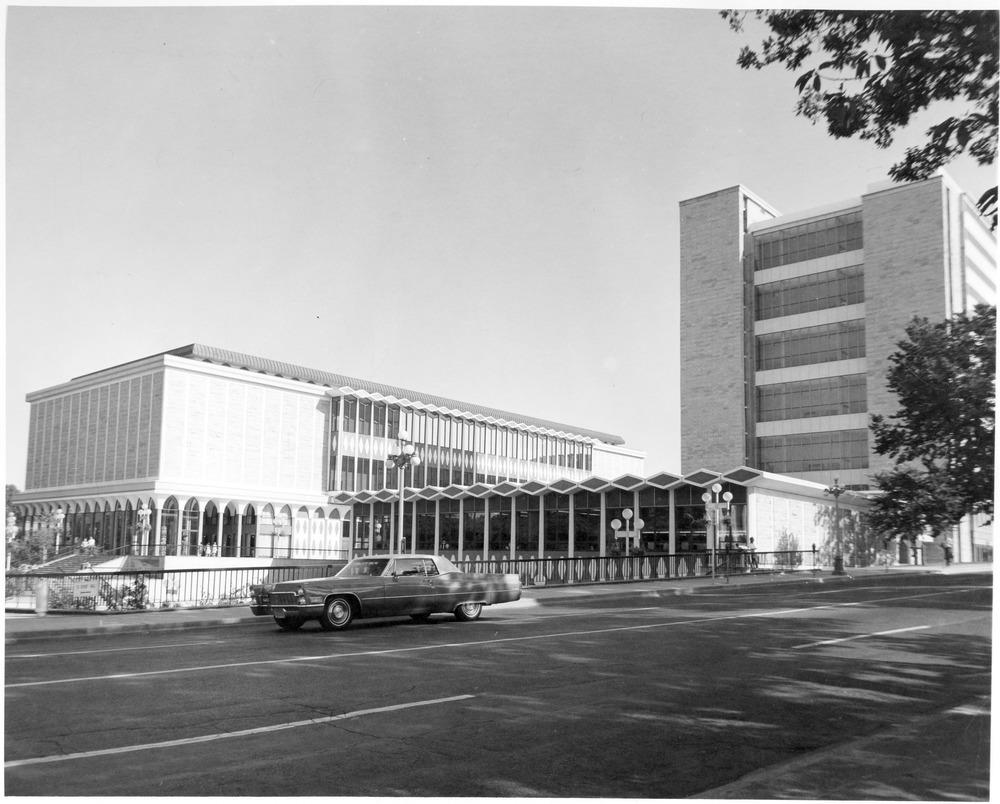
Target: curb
column 536, row 596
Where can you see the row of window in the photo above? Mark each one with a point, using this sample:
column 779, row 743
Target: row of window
column 378, row 521
column 808, row 241
column 843, row 340
column 382, row 420
column 804, row 294
column 814, row 452
column 805, row 399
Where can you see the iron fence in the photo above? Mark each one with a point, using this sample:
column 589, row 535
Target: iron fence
column 641, row 567
column 86, row 591
column 138, row 590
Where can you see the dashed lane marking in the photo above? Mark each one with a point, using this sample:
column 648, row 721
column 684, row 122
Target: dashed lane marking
column 225, row 735
column 112, row 650
column 860, row 636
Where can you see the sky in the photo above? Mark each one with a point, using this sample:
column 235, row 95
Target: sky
column 478, row 203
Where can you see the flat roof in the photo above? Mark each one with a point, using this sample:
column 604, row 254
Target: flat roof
column 277, row 368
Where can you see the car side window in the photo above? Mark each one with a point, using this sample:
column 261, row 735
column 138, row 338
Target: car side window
column 428, row 567
column 409, row 566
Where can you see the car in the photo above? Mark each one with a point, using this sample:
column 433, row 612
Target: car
column 384, row 586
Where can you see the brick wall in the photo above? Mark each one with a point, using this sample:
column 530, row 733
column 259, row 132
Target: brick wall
column 712, row 331
column 905, row 275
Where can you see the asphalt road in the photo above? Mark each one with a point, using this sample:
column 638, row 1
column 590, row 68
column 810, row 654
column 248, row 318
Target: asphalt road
column 855, row 690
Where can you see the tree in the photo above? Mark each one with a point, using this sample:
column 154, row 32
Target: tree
column 11, row 491
column 941, row 439
column 866, row 73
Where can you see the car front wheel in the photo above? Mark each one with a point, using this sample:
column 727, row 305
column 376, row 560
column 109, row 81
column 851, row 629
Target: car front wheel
column 337, row 614
column 468, row 612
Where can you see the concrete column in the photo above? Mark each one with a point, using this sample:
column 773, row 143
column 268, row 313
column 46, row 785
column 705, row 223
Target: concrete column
column 437, row 527
column 157, row 529
column 635, row 518
column 672, row 543
column 371, row 527
column 486, row 528
column 413, row 526
column 604, row 527
column 461, row 528
column 541, row 525
column 513, row 527
column 571, row 545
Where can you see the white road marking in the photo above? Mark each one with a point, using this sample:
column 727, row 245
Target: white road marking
column 225, row 735
column 861, row 636
column 477, row 643
column 112, row 650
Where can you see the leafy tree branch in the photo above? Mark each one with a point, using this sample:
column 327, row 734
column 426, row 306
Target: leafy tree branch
column 867, row 73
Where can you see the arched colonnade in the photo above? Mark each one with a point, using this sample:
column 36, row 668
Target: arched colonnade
column 192, row 526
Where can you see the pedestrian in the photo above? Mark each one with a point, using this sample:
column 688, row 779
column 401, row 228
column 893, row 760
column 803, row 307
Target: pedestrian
column 947, row 551
column 753, row 554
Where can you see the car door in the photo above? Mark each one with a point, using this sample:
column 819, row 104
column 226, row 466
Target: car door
column 408, row 590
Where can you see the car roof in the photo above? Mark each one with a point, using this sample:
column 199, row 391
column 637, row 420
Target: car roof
column 400, row 555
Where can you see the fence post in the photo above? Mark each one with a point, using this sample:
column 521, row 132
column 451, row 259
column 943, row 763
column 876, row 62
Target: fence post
column 41, row 597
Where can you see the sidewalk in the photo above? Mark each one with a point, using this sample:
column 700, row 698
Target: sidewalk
column 23, row 626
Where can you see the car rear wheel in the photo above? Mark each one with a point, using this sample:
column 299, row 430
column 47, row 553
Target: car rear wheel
column 468, row 611
column 289, row 623
column 337, row 614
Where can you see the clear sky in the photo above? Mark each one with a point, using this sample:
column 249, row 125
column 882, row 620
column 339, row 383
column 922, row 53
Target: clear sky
column 479, row 203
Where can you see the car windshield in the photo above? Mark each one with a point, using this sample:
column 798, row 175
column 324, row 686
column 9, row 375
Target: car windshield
column 363, row 566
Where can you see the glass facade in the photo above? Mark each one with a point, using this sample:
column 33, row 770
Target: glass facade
column 804, row 294
column 500, row 519
column 452, row 450
column 843, row 340
column 826, row 396
column 474, row 524
column 556, row 522
column 808, row 241
column 813, row 452
column 526, row 509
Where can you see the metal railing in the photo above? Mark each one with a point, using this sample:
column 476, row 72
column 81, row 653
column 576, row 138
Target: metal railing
column 218, row 587
column 641, row 567
column 135, row 591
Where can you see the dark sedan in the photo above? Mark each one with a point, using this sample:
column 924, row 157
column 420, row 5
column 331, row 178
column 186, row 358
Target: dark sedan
column 384, row 586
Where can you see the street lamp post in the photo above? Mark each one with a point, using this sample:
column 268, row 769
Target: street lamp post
column 143, row 513
column 407, row 456
column 838, row 557
column 712, row 503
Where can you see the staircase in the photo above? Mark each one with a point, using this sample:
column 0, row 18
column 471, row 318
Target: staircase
column 73, row 562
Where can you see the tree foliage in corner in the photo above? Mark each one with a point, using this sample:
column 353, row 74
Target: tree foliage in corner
column 866, row 73
column 941, row 439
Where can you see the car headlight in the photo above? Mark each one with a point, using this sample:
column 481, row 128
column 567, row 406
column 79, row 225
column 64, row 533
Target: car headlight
column 300, row 595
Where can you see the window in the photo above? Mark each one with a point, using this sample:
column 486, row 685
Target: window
column 803, row 294
column 379, row 428
column 827, row 396
column 347, row 473
column 808, row 241
column 821, row 344
column 814, row 452
column 414, row 566
column 365, row 417
column 350, row 415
